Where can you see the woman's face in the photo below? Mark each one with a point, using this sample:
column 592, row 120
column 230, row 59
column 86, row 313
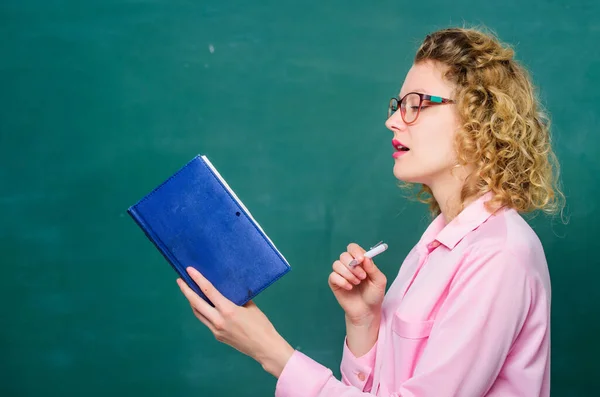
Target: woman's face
column 430, row 139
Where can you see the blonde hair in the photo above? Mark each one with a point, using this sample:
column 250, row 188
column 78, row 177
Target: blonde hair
column 504, row 132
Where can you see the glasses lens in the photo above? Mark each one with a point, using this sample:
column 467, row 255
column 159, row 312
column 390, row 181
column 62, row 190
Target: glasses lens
column 410, row 107
column 392, row 107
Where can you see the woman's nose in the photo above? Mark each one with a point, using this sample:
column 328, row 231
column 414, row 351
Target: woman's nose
column 395, row 122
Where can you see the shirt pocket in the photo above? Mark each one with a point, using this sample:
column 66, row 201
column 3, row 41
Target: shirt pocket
column 411, row 329
column 409, row 339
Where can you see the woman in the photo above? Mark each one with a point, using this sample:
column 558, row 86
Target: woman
column 469, row 311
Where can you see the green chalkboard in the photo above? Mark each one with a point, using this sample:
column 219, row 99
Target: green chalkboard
column 102, row 100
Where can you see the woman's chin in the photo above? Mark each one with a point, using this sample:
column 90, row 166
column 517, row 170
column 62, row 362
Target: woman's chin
column 405, row 175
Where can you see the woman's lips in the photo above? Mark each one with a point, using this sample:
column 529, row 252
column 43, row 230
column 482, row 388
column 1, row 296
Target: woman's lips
column 400, row 148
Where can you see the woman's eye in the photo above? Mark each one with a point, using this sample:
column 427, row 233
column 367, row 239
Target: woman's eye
column 424, row 107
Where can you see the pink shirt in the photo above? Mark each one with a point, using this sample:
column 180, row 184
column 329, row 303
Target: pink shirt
column 467, row 315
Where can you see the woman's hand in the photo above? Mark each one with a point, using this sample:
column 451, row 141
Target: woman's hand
column 359, row 290
column 244, row 328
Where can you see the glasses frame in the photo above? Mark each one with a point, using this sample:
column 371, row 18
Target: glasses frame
column 396, row 104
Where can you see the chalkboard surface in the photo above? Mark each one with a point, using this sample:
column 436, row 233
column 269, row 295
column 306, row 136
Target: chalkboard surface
column 102, row 100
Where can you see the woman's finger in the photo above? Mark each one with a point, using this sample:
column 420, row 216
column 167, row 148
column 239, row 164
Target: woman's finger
column 374, row 273
column 199, row 304
column 336, row 280
column 209, row 290
column 367, row 264
column 343, row 271
column 357, row 270
column 203, row 319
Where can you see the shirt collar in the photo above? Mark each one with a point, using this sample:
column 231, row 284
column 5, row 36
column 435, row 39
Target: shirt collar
column 469, row 219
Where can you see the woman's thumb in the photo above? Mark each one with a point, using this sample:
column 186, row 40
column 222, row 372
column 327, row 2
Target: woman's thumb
column 373, row 272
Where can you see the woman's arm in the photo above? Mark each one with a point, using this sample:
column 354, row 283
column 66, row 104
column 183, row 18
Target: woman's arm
column 359, row 353
column 360, row 291
column 362, row 337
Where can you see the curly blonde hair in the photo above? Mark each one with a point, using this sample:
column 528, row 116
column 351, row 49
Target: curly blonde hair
column 505, row 131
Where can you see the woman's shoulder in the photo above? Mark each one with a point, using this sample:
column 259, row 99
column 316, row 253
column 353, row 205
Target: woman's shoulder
column 511, row 241
column 507, row 231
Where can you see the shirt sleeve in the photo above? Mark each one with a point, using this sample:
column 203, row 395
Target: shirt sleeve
column 358, row 371
column 474, row 330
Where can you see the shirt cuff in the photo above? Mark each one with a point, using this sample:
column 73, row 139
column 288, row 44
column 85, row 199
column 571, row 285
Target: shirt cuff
column 302, row 377
column 358, row 371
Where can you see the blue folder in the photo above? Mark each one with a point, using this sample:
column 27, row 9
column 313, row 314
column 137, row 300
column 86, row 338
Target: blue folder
column 195, row 219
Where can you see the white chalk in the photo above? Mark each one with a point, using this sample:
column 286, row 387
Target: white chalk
column 378, row 249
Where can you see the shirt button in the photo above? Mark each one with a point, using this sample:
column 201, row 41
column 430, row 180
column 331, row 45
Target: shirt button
column 433, row 245
column 361, row 376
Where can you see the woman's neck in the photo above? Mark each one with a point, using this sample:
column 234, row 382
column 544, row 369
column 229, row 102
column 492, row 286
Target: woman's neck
column 447, row 193
column 449, row 203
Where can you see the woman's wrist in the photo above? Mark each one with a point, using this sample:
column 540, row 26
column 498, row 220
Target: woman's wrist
column 275, row 356
column 362, row 336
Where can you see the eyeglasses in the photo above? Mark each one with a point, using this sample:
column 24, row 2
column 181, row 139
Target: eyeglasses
column 411, row 104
